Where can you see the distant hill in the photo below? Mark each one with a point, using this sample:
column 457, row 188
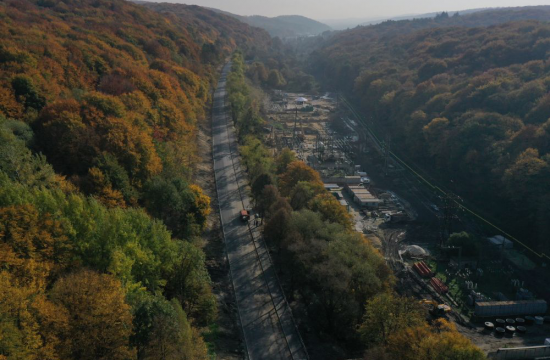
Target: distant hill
column 284, row 26
column 423, row 16
column 472, row 18
column 287, row 26
column 483, row 17
column 465, row 18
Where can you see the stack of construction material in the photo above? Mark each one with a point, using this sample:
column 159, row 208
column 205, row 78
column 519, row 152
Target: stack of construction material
column 439, row 286
column 422, row 269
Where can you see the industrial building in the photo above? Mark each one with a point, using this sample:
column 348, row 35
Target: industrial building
column 508, row 308
column 363, row 197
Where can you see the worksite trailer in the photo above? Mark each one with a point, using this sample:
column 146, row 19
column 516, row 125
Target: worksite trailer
column 508, row 308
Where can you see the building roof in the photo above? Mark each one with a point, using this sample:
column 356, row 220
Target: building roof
column 363, row 195
column 301, row 99
column 360, row 191
column 369, row 199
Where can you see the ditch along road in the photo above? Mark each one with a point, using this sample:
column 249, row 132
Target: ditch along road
column 268, row 328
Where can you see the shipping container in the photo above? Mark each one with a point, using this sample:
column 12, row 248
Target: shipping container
column 507, row 308
column 422, row 269
column 439, row 286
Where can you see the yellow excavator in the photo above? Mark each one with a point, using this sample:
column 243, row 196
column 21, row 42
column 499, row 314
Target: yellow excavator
column 436, row 309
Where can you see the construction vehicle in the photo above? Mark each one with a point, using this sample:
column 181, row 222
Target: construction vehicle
column 436, row 309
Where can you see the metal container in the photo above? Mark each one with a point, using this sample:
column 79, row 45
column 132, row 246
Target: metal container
column 539, row 320
column 507, row 308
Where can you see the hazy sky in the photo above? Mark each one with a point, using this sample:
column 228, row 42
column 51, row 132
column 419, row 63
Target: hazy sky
column 338, row 9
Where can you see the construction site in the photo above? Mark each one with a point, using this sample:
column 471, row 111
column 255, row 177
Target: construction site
column 490, row 293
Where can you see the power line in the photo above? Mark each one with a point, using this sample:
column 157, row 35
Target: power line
column 436, row 188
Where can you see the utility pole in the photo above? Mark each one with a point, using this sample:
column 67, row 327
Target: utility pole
column 450, row 209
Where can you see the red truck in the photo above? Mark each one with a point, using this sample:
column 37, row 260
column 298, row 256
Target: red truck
column 245, row 215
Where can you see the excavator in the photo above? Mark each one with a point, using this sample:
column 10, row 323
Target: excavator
column 436, row 309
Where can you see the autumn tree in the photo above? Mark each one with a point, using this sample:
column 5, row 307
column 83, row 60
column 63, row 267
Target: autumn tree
column 304, row 192
column 183, row 207
column 387, row 313
column 331, row 209
column 259, row 184
column 250, row 122
column 432, row 342
column 162, row 330
column 285, row 157
column 101, row 322
column 256, row 157
column 20, row 328
column 275, row 79
column 34, row 247
column 338, row 270
column 279, row 219
column 296, row 171
column 189, row 282
column 268, row 197
column 17, row 160
column 526, row 174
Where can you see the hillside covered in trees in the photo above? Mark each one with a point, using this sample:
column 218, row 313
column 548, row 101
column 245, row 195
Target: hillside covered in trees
column 286, row 26
column 99, row 216
column 469, row 103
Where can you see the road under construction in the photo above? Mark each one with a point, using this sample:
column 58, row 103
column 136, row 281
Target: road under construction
column 268, row 327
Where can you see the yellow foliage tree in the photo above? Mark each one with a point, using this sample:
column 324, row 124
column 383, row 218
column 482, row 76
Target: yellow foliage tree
column 202, row 205
column 330, row 209
column 101, row 322
column 33, row 247
column 440, row 341
column 105, row 193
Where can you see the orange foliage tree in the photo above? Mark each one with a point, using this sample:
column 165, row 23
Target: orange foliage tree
column 295, row 172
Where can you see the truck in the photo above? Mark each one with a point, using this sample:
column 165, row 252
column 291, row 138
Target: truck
column 245, row 215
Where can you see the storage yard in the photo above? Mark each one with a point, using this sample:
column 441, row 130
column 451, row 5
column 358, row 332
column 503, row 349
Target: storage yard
column 481, row 291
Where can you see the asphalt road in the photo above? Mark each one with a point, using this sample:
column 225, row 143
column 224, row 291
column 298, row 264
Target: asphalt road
column 268, row 327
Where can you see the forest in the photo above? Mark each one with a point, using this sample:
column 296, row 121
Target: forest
column 467, row 104
column 100, row 215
